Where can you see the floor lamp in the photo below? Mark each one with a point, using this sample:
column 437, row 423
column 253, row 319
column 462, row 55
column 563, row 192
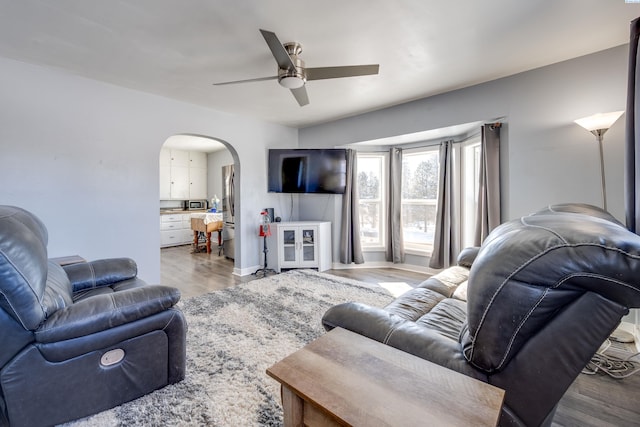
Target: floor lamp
column 598, row 124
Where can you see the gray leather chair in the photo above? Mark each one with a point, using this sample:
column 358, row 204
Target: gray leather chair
column 525, row 312
column 78, row 339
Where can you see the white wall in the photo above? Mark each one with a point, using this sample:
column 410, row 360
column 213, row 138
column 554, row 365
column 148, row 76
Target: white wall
column 83, row 156
column 546, row 157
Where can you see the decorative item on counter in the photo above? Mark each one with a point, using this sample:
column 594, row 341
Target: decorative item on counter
column 215, row 203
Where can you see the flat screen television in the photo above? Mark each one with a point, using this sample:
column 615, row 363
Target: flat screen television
column 307, row 170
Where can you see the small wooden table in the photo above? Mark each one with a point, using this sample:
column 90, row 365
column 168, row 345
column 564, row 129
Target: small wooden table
column 207, row 223
column 343, row 378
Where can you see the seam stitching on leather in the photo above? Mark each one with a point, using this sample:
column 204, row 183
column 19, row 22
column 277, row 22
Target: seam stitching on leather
column 502, row 285
column 524, row 320
column 387, row 337
column 94, row 283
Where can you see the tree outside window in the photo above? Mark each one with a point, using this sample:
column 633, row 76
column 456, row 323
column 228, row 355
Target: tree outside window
column 419, row 195
column 371, row 193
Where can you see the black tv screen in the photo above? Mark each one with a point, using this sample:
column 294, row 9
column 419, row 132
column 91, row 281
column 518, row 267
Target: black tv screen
column 307, row 170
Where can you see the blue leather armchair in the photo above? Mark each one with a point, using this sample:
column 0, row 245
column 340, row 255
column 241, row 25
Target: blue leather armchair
column 78, row 339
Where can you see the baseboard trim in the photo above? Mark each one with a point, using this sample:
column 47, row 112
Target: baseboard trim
column 245, row 271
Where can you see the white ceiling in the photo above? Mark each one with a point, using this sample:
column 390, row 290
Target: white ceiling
column 178, row 48
column 193, row 143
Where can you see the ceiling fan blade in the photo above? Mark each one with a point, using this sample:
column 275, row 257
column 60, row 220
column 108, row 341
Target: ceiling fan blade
column 279, row 53
column 320, row 73
column 246, row 81
column 301, row 95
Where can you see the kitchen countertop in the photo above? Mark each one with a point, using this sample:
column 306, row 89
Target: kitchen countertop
column 207, row 217
column 180, row 211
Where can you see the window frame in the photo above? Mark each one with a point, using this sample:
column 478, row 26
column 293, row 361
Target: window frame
column 422, row 249
column 384, row 197
column 468, row 192
column 465, row 183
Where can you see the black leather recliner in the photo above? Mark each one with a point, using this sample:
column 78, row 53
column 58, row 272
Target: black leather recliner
column 543, row 293
column 79, row 339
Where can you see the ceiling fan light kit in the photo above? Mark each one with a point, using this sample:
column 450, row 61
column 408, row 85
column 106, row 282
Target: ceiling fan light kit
column 291, row 82
column 292, row 73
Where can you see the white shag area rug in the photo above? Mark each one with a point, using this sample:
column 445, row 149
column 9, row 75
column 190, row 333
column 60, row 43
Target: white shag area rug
column 234, row 335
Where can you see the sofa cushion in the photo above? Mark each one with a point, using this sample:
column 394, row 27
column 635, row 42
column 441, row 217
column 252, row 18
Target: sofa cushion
column 414, row 303
column 461, row 291
column 446, row 281
column 447, row 318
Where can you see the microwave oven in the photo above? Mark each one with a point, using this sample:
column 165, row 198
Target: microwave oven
column 194, row 205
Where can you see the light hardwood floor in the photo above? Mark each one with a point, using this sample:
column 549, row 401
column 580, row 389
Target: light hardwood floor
column 592, row 400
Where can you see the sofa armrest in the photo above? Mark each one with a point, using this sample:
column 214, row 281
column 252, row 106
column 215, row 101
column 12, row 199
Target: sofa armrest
column 372, row 322
column 107, row 311
column 103, row 272
column 467, row 256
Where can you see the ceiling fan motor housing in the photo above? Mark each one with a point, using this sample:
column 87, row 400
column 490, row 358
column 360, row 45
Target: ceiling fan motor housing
column 293, row 78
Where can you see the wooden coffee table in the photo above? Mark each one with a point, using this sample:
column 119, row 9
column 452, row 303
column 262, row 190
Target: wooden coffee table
column 343, row 378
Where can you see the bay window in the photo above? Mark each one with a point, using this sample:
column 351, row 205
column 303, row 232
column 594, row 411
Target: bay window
column 420, row 176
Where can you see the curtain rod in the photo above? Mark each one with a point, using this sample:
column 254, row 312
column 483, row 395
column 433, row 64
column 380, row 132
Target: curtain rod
column 425, row 144
column 432, row 143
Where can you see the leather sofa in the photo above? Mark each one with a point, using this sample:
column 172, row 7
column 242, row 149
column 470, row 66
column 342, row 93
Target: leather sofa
column 78, row 339
column 525, row 312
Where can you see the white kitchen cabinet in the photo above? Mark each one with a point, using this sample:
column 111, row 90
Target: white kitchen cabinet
column 179, row 158
column 175, row 229
column 302, row 244
column 183, row 175
column 180, row 182
column 197, row 175
column 197, row 159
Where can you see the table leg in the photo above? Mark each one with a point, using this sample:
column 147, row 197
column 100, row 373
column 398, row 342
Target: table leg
column 208, row 242
column 292, row 407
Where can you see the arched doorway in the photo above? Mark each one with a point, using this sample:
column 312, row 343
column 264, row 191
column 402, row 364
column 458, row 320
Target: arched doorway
column 219, row 154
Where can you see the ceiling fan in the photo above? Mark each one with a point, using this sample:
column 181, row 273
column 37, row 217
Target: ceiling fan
column 292, row 74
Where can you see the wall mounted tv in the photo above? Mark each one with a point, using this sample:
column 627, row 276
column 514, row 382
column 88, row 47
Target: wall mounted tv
column 307, row 170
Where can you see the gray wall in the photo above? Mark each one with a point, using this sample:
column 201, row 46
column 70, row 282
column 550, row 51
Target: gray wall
column 547, row 158
column 83, row 156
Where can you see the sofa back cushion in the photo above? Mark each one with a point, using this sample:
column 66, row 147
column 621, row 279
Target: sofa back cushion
column 23, row 266
column 530, row 269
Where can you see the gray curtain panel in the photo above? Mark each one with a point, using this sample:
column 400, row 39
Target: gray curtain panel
column 446, row 243
column 395, row 242
column 632, row 135
column 350, row 246
column 488, row 213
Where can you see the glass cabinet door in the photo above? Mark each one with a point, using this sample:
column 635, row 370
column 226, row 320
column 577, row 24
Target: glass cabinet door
column 308, row 244
column 289, row 245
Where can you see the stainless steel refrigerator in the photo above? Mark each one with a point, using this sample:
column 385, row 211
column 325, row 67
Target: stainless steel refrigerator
column 228, row 211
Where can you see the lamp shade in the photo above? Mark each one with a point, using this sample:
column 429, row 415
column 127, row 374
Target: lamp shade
column 599, row 121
